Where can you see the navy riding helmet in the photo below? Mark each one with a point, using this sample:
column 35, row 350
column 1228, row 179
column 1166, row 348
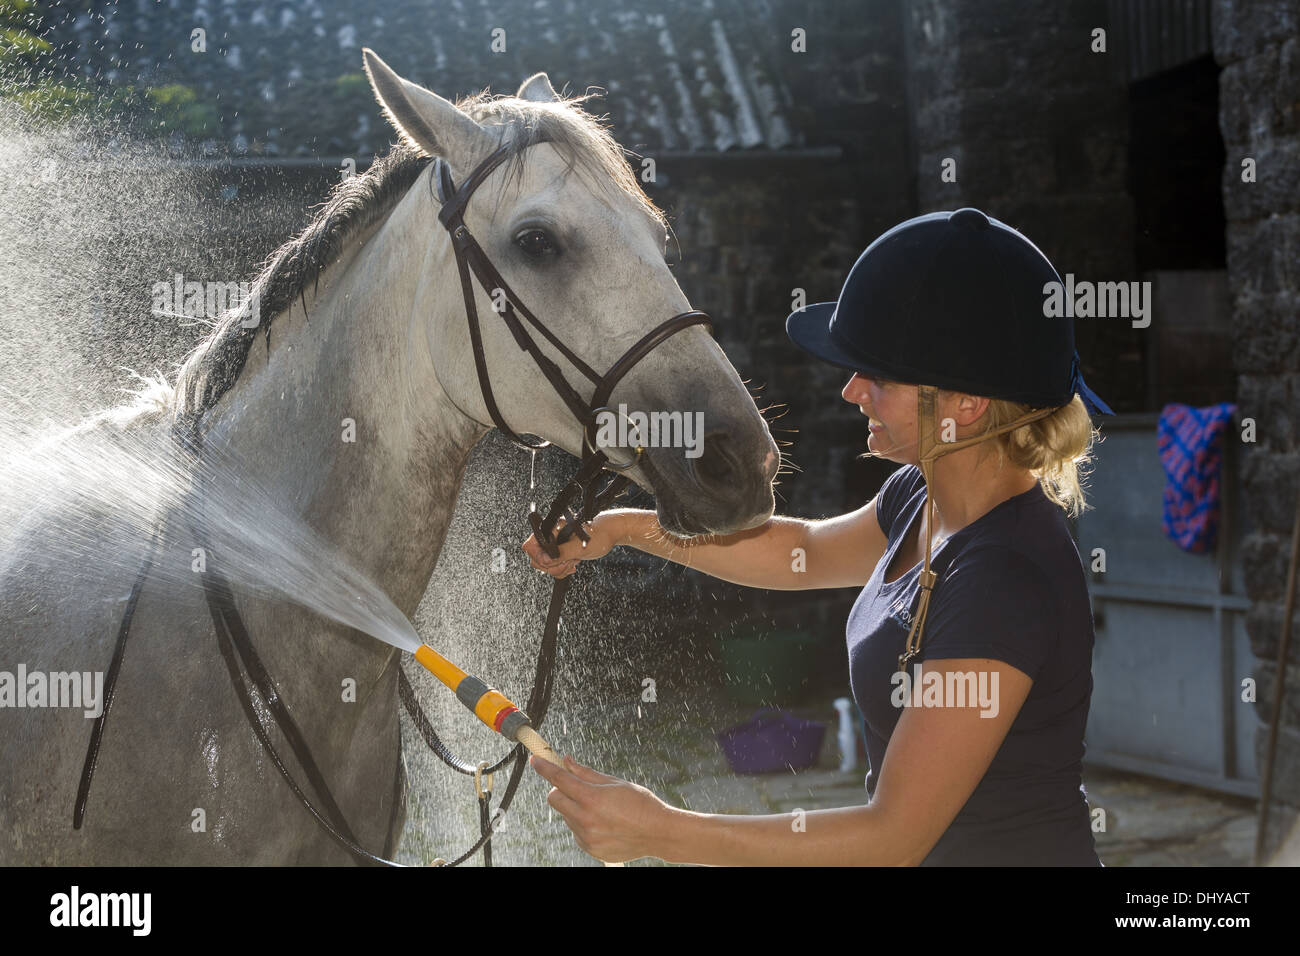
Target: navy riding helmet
column 954, row 300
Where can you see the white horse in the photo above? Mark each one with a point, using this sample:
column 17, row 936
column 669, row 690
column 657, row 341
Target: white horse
column 363, row 320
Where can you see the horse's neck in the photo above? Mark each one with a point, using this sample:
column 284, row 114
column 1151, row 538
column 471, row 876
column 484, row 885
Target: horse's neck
column 344, row 420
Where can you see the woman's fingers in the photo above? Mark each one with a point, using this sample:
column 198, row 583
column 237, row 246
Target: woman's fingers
column 541, row 561
column 537, row 554
column 563, row 804
column 587, row 773
column 556, row 568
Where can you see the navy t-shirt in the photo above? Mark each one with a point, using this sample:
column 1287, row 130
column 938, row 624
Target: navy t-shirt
column 1010, row 588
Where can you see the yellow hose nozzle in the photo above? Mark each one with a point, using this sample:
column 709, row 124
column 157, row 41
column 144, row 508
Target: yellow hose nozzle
column 439, row 666
column 489, row 705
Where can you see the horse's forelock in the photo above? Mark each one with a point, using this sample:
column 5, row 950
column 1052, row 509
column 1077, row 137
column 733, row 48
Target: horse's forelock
column 580, row 137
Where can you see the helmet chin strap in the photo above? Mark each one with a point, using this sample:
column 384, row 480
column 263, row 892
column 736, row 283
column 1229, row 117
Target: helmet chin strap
column 929, row 449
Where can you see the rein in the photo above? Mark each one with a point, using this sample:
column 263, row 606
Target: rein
column 581, row 500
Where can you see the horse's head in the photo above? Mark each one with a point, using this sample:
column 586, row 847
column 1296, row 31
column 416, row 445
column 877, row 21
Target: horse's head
column 586, row 254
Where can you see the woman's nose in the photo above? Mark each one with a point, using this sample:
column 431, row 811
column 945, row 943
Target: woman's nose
column 855, row 391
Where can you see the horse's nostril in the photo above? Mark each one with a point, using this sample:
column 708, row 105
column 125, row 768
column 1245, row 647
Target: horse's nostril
column 718, row 463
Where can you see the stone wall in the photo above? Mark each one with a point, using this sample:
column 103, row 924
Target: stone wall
column 1258, row 46
column 753, row 232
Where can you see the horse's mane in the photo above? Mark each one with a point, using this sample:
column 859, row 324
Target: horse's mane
column 357, row 203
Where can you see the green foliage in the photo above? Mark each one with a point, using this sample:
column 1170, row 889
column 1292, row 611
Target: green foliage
column 155, row 110
column 54, row 100
column 19, row 46
column 177, row 108
column 351, row 85
column 23, row 62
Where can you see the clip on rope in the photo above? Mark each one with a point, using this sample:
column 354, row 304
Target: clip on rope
column 496, row 711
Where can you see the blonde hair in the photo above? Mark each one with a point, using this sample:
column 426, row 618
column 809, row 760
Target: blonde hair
column 1057, row 449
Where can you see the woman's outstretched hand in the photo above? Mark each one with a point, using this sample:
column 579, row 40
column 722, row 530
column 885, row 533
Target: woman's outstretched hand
column 611, row 819
column 603, row 539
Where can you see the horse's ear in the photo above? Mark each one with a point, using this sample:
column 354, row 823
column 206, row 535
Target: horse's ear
column 538, row 89
column 423, row 118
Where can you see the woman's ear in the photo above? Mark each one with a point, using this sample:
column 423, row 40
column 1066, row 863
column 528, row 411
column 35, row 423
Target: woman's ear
column 982, row 406
column 966, row 409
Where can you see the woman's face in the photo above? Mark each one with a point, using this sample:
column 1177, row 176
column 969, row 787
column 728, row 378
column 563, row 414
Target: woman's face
column 891, row 409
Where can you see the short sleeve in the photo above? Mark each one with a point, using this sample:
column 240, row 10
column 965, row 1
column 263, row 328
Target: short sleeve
column 894, row 494
column 994, row 602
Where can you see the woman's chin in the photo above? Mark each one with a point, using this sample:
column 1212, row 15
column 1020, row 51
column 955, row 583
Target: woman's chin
column 878, row 445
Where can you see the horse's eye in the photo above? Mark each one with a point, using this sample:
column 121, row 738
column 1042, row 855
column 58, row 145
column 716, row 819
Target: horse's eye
column 536, row 243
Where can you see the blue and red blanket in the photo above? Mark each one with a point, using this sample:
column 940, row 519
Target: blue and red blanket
column 1190, row 441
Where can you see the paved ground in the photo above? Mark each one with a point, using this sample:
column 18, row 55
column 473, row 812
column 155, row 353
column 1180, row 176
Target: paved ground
column 1157, row 823
column 1148, row 822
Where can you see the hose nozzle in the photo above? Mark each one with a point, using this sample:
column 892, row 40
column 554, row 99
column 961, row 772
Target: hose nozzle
column 487, row 703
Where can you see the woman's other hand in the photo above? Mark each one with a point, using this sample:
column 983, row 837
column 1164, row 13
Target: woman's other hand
column 611, row 819
column 603, row 534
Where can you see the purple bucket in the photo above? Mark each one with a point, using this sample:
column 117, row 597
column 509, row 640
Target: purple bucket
column 772, row 740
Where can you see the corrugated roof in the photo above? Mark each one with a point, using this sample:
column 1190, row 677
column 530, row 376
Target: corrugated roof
column 695, row 76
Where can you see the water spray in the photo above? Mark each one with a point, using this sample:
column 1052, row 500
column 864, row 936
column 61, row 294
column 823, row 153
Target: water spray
column 489, row 705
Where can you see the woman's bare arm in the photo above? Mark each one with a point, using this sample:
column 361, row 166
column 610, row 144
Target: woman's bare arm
column 783, row 554
column 935, row 759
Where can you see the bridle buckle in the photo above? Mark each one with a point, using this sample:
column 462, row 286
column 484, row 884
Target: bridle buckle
column 588, row 446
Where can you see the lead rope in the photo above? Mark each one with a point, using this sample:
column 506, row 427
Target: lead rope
column 538, row 702
column 484, row 794
column 928, row 451
column 543, row 681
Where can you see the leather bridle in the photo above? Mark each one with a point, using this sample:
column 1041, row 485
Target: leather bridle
column 470, row 258
column 580, row 501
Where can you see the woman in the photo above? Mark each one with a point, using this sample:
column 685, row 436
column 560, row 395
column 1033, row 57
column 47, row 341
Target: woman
column 970, row 644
